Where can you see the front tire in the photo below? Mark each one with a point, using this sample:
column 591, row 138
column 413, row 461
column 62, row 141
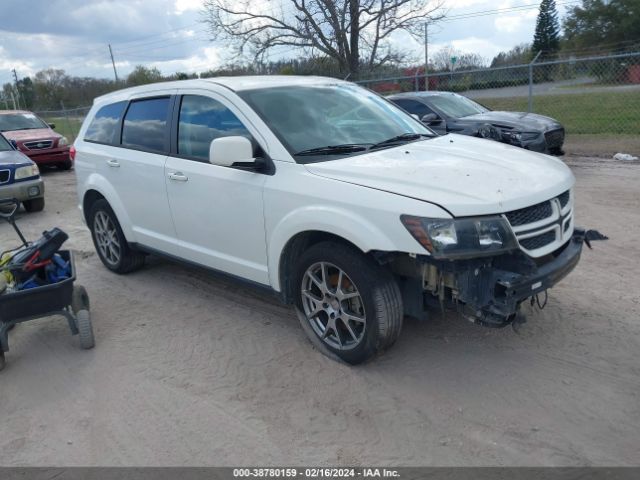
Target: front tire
column 34, row 205
column 109, row 241
column 349, row 306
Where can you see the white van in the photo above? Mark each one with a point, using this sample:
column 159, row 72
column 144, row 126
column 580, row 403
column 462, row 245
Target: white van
column 330, row 195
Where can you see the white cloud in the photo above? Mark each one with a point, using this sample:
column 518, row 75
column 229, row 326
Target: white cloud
column 182, row 6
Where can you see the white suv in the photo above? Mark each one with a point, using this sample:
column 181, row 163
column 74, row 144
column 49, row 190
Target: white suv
column 330, row 195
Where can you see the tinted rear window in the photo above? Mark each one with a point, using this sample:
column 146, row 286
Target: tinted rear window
column 145, row 124
column 104, row 126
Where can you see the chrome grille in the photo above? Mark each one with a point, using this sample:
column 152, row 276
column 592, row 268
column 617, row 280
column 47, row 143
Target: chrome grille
column 530, row 214
column 554, row 138
column 544, row 227
column 38, row 144
column 5, row 175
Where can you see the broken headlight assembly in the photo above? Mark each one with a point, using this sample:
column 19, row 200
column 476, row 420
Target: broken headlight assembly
column 463, row 237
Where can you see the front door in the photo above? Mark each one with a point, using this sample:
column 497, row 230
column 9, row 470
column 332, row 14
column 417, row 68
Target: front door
column 217, row 211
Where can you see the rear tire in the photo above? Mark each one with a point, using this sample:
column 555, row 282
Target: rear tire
column 79, row 299
column 349, row 306
column 66, row 165
column 109, row 241
column 34, row 205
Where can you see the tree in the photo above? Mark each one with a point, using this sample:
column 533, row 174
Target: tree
column 142, row 75
column 442, row 61
column 607, row 26
column 354, row 33
column 547, row 35
column 518, row 55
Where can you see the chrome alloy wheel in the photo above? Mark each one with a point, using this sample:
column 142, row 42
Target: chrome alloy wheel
column 107, row 238
column 333, row 306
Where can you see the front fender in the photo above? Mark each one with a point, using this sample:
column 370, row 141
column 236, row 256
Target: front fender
column 97, row 182
column 334, row 220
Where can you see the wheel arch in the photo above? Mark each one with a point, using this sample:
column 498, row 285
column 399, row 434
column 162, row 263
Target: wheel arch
column 97, row 188
column 297, row 232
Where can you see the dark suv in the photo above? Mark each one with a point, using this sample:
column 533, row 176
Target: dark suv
column 35, row 138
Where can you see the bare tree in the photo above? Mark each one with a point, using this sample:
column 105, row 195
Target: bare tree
column 354, row 33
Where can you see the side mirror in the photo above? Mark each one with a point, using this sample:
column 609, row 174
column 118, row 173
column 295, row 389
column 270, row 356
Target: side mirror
column 52, row 126
column 227, row 151
column 14, row 144
column 430, row 118
column 415, row 116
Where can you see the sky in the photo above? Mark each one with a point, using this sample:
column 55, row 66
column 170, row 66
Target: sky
column 169, row 34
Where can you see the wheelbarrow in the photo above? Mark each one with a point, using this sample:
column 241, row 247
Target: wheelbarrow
column 62, row 298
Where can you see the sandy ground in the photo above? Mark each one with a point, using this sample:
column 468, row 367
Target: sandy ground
column 194, row 370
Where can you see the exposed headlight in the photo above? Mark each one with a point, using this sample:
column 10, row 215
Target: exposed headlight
column 521, row 136
column 26, row 172
column 464, row 237
column 63, row 142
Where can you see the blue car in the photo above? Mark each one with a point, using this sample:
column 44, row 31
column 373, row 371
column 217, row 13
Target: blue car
column 20, row 177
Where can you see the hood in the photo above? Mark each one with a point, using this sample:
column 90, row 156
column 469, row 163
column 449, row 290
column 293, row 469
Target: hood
column 34, row 134
column 526, row 122
column 464, row 175
column 13, row 157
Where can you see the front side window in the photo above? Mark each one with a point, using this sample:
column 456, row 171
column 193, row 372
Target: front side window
column 316, row 116
column 105, row 125
column 20, row 121
column 145, row 124
column 456, row 106
column 414, row 107
column 203, row 119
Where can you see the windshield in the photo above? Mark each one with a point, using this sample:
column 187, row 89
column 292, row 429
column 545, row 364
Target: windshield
column 319, row 116
column 456, row 106
column 4, row 144
column 20, row 121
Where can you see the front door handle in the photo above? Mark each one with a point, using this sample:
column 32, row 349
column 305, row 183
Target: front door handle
column 178, row 177
column 113, row 163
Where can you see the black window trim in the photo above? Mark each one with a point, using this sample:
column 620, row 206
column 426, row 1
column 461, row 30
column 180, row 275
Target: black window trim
column 167, row 128
column 267, row 167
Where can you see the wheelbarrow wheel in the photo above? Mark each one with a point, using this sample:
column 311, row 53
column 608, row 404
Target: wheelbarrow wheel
column 2, row 362
column 85, row 329
column 79, row 299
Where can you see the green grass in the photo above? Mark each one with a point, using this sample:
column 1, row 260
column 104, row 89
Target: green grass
column 69, row 127
column 582, row 113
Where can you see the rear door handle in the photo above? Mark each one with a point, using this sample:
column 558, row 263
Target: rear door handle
column 113, row 163
column 178, row 177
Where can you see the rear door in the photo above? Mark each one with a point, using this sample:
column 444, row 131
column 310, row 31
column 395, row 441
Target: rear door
column 217, row 211
column 137, row 170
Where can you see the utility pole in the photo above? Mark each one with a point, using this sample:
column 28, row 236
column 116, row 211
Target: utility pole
column 14, row 101
column 15, row 77
column 115, row 72
column 426, row 57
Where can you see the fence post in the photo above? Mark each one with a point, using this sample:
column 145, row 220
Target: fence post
column 415, row 80
column 531, row 80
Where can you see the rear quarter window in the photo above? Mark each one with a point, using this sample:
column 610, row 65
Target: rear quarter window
column 104, row 128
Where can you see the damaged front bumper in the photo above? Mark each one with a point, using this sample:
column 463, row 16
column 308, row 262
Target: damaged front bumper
column 487, row 291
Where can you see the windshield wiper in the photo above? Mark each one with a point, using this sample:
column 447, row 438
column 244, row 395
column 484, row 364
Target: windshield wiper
column 335, row 149
column 405, row 137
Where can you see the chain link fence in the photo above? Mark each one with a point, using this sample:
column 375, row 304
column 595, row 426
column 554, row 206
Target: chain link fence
column 67, row 121
column 598, row 97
